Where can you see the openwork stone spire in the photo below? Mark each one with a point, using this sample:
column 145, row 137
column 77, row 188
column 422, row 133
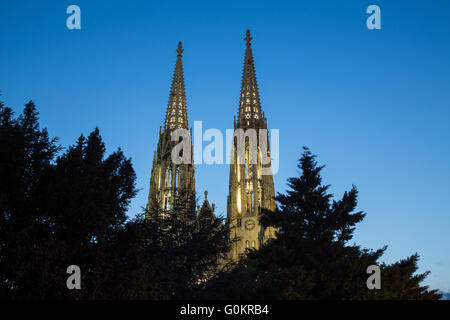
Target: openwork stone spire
column 250, row 114
column 176, row 115
column 173, row 185
column 250, row 190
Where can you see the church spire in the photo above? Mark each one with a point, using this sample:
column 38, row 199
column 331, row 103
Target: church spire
column 250, row 115
column 176, row 115
column 170, row 180
column 250, row 191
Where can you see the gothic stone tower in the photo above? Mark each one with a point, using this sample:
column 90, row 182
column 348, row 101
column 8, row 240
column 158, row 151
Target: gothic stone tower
column 168, row 180
column 249, row 189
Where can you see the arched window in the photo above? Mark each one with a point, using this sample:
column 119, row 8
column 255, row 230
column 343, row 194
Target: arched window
column 168, row 188
column 169, row 177
column 247, row 244
column 248, row 166
column 166, row 201
column 253, row 244
column 259, row 194
column 259, row 165
column 253, row 201
column 177, row 176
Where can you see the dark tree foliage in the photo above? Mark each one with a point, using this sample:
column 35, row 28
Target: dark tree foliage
column 67, row 209
column 310, row 258
column 26, row 156
column 185, row 252
column 60, row 209
column 57, row 211
column 402, row 282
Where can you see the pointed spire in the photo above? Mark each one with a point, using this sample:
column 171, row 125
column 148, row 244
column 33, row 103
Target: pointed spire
column 250, row 115
column 176, row 115
column 206, row 207
column 180, row 50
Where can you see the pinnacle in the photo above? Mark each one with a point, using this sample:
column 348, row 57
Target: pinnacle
column 176, row 114
column 248, row 38
column 180, row 50
column 250, row 114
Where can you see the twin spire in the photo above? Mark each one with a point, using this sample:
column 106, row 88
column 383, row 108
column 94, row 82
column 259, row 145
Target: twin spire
column 176, row 115
column 250, row 114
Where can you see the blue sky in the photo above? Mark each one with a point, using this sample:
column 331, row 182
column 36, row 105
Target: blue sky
column 374, row 105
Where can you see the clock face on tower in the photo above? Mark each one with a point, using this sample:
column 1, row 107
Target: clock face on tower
column 249, row 224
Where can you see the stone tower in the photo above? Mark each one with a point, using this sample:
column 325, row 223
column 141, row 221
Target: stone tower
column 168, row 180
column 249, row 190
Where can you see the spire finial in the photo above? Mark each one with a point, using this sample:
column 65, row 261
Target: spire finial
column 206, row 195
column 248, row 38
column 180, row 50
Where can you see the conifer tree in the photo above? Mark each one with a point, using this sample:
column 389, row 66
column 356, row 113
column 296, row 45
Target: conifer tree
column 26, row 154
column 57, row 211
column 310, row 257
column 184, row 251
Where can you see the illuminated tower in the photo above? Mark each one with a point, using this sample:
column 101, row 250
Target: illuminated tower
column 249, row 190
column 167, row 178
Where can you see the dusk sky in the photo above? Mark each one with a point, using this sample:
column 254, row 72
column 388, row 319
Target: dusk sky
column 374, row 105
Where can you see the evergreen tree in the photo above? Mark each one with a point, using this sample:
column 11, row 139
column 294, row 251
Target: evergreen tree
column 26, row 154
column 70, row 209
column 184, row 252
column 310, row 257
column 87, row 196
column 56, row 212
